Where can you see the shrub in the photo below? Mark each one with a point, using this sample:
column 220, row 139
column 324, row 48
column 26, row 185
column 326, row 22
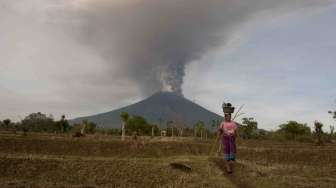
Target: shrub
column 293, row 129
column 249, row 128
column 38, row 122
column 139, row 124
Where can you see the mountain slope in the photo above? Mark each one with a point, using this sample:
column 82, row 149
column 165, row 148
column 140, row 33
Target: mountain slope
column 159, row 108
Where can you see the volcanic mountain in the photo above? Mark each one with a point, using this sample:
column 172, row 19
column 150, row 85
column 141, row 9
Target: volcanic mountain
column 159, row 108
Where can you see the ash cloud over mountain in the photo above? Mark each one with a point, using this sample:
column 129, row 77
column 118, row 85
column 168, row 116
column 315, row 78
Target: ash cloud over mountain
column 152, row 42
column 114, row 48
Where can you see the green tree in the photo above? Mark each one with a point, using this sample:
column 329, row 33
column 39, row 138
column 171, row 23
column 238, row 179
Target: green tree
column 124, row 118
column 333, row 113
column 63, row 125
column 292, row 129
column 141, row 126
column 7, row 123
column 38, row 122
column 318, row 132
column 332, row 128
column 249, row 128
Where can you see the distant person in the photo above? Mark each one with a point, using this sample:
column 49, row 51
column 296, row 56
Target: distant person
column 228, row 133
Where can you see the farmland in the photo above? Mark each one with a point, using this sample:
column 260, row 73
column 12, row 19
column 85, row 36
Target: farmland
column 58, row 160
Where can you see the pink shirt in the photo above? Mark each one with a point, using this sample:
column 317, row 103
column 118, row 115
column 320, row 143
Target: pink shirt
column 228, row 127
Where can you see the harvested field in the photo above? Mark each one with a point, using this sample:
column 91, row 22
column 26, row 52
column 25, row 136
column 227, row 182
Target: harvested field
column 62, row 161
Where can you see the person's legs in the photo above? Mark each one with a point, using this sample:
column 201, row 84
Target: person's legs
column 231, row 152
column 228, row 167
column 231, row 164
column 226, row 145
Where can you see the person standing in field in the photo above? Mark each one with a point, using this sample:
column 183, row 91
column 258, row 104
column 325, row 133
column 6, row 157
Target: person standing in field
column 228, row 133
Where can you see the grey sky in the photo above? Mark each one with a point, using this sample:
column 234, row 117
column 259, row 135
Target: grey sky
column 283, row 70
column 279, row 65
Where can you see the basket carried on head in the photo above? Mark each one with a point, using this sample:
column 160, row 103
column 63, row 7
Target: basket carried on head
column 228, row 108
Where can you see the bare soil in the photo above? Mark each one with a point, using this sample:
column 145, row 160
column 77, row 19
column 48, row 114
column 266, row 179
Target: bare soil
column 48, row 160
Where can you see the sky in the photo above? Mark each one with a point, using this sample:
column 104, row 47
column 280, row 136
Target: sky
column 281, row 67
column 283, row 70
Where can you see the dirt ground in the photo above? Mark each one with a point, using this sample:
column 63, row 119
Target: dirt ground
column 47, row 160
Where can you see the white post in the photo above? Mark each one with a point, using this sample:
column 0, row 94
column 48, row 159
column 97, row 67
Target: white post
column 123, row 131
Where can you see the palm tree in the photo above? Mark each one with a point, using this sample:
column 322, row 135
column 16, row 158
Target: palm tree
column 124, row 117
column 319, row 132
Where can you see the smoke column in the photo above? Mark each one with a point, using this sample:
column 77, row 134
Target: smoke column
column 152, row 41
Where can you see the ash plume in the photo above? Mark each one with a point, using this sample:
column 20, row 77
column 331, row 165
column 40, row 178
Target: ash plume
column 143, row 43
column 152, row 41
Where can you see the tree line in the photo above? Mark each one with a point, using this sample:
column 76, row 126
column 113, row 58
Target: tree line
column 40, row 122
column 137, row 125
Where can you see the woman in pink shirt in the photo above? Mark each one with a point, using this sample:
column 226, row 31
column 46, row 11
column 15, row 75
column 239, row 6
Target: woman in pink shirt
column 228, row 133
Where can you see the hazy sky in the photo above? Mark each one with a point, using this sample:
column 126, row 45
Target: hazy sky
column 281, row 66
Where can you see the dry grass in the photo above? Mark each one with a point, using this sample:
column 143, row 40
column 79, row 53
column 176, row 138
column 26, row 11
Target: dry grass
column 47, row 160
column 42, row 161
column 277, row 164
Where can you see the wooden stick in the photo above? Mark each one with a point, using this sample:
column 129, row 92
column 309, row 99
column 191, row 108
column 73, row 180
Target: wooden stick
column 214, row 144
column 238, row 116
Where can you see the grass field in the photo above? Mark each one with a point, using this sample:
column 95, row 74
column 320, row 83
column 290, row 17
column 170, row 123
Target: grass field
column 47, row 160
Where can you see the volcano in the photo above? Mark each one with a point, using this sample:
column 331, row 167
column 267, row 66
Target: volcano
column 159, row 109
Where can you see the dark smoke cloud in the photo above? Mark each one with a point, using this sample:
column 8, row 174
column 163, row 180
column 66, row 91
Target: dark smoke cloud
column 152, row 41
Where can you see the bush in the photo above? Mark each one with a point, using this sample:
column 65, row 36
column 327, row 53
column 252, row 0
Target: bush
column 114, row 132
column 38, row 122
column 86, row 126
column 62, row 125
column 249, row 128
column 283, row 137
column 139, row 124
column 293, row 129
column 7, row 124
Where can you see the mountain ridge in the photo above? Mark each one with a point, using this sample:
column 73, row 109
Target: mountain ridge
column 158, row 109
